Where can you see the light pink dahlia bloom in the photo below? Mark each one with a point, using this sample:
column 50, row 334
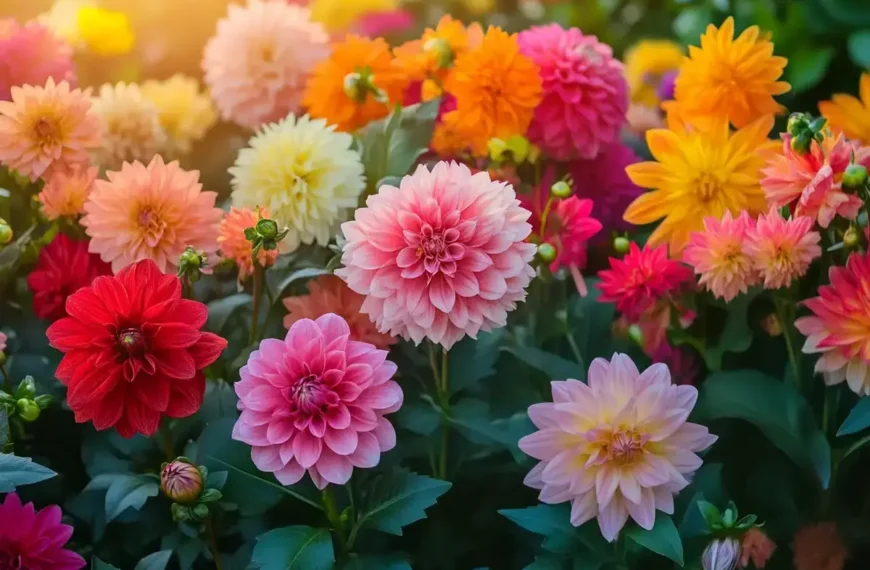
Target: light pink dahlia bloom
column 782, row 250
column 720, row 255
column 316, row 401
column 30, row 54
column 585, row 92
column 617, row 447
column 440, row 257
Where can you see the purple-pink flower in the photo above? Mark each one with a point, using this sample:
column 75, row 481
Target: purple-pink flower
column 33, row 539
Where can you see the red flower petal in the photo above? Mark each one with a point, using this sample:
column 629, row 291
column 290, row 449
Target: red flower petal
column 186, row 397
column 175, row 363
column 71, row 334
column 169, row 336
column 207, row 349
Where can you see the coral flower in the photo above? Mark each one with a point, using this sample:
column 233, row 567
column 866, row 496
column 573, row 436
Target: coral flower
column 839, row 327
column 66, row 192
column 45, row 129
column 720, row 254
column 360, row 82
column 185, row 113
column 133, row 350
column 585, row 93
column 316, row 401
column 819, row 547
column 329, row 294
column 130, row 126
column 440, row 257
column 30, row 55
column 497, row 89
column 258, row 62
column 305, row 173
column 234, row 245
column 647, row 63
column 756, row 546
column 385, row 23
column 782, row 250
column 731, row 78
column 150, row 212
column 617, row 447
column 849, row 114
column 34, row 539
column 697, row 175
column 64, row 266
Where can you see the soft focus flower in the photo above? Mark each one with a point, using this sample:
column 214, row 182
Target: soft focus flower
column 104, row 32
column 757, row 547
column 46, row 129
column 258, row 62
column 316, row 401
column 340, row 15
column 646, row 64
column 440, row 257
column 448, row 140
column 130, row 126
column 185, row 113
column 641, row 118
column 720, row 255
column 133, row 350
column 3, row 339
column 34, row 539
column 640, row 279
column 838, row 328
column 819, row 547
column 181, row 481
column 849, row 114
column 66, row 192
column 697, row 175
column 305, row 173
column 667, row 85
column 782, row 250
column 730, row 78
column 30, row 55
column 497, row 89
column 682, row 361
column 721, row 554
column 385, row 22
column 234, row 245
column 150, row 212
column 329, row 294
column 64, row 266
column 62, row 19
column 617, row 447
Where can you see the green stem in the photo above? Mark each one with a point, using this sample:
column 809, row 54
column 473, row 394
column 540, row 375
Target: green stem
column 335, row 518
column 258, row 294
column 544, row 217
column 784, row 315
column 213, row 543
column 830, row 407
column 7, row 382
column 444, row 397
column 186, row 288
column 578, row 356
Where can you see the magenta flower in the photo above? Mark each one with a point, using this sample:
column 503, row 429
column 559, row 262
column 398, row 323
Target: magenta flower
column 33, row 539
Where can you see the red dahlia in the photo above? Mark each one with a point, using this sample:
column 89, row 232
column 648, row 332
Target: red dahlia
column 133, row 350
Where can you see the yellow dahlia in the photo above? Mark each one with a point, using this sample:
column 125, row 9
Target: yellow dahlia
column 646, row 64
column 130, row 124
column 185, row 112
column 849, row 114
column 104, row 32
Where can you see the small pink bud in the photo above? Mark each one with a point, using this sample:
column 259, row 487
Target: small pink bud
column 181, row 481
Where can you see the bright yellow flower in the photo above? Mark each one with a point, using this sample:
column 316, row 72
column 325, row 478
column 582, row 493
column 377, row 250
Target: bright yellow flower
column 339, row 15
column 645, row 63
column 105, row 32
column 185, row 112
column 849, row 114
column 62, row 19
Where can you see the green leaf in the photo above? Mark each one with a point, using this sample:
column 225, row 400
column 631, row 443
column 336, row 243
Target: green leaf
column 472, row 419
column 859, row 48
column 858, row 418
column 16, row 471
column 546, row 562
column 128, row 491
column 357, row 562
column 390, row 501
column 662, row 539
column 220, row 311
column 736, row 336
column 294, row 548
column 4, row 427
column 304, row 273
column 807, row 66
column 691, row 22
column 554, row 523
column 422, row 417
column 97, row 564
column 156, row 561
column 553, row 365
column 472, row 360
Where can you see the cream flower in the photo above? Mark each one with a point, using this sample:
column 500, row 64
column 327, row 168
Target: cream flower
column 130, row 124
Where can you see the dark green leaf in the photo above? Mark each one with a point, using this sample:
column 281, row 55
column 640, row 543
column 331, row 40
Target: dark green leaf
column 471, row 418
column 691, row 22
column 807, row 67
column 422, row 417
column 554, row 523
column 294, row 548
column 97, row 564
column 390, row 501
column 546, row 562
column 736, row 336
column 16, row 471
column 156, row 561
column 662, row 539
column 300, row 274
column 357, row 562
column 128, row 491
column 472, row 360
column 858, row 418
column 859, row 48
column 553, row 365
column 4, row 428
column 220, row 311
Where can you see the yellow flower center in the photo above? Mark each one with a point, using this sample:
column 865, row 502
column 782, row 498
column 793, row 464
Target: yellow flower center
column 707, row 186
column 624, row 447
column 151, row 225
column 45, row 132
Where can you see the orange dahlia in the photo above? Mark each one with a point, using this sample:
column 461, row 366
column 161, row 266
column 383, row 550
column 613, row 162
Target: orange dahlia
column 66, row 191
column 234, row 245
column 849, row 114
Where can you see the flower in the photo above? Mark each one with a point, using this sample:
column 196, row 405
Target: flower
column 682, row 361
column 358, row 83
column 185, row 113
column 181, row 481
column 721, row 554
column 641, row 118
column 385, row 22
column 66, row 192
column 585, row 93
column 133, row 350
column 647, row 63
column 305, row 173
column 130, row 126
column 3, row 339
column 234, row 245
column 757, row 547
column 448, row 140
column 30, row 55
column 720, row 255
column 45, row 129
column 640, row 279
column 316, row 401
column 728, row 78
column 782, row 250
column 258, row 62
column 104, row 32
column 497, row 89
column 617, row 447
column 64, row 266
column 35, row 539
column 329, row 294
column 441, row 256
column 340, row 15
column 697, row 175
column 848, row 114
column 819, row 547
column 150, row 212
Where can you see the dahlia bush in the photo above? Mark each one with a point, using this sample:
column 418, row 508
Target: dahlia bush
column 448, row 285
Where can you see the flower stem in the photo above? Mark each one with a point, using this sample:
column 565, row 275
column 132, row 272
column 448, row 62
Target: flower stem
column 7, row 382
column 544, row 217
column 785, row 321
column 166, row 441
column 186, row 288
column 258, row 294
column 213, row 544
column 333, row 517
column 444, row 398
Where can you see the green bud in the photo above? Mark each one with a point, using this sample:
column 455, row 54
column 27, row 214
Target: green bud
column 192, row 258
column 497, row 148
column 6, row 233
column 519, row 146
column 210, row 496
column 852, row 237
column 27, row 410
column 801, row 143
column 2, row 357
column 855, row 176
column 267, row 229
column 200, row 512
column 441, row 48
column 560, row 189
column 635, row 334
column 44, row 401
column 547, row 253
column 26, row 389
column 180, row 512
column 250, row 234
column 352, row 86
column 797, row 123
column 621, row 244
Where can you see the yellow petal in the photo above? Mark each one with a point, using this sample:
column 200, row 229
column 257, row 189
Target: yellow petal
column 662, row 143
column 647, row 208
column 646, row 174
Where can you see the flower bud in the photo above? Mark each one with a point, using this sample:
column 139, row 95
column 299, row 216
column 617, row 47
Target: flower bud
column 519, row 146
column 797, row 123
column 200, row 512
column 635, row 333
column 801, row 143
column 2, row 357
column 26, row 389
column 28, row 410
column 497, row 148
column 852, row 237
column 442, row 51
column 854, row 177
column 191, row 264
column 621, row 244
column 560, row 189
column 181, row 481
column 267, row 229
column 547, row 253
column 352, row 86
column 6, row 233
column 721, row 554
column 771, row 325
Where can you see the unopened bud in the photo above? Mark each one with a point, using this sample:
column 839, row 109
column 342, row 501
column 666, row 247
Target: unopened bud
column 636, row 334
column 181, row 481
column 547, row 253
column 771, row 325
column 2, row 357
column 441, row 48
column 191, row 263
column 519, row 146
column 267, row 229
column 200, row 512
column 352, row 86
column 621, row 244
column 26, row 389
column 28, row 410
column 852, row 237
column 801, row 143
column 854, row 177
column 6, row 233
column 721, row 554
column 560, row 189
column 797, row 123
column 497, row 148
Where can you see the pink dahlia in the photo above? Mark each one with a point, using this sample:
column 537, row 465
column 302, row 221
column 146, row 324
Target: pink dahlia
column 585, row 92
column 316, row 401
column 721, row 256
column 440, row 257
column 782, row 250
column 33, row 539
column 617, row 447
column 682, row 361
column 3, row 339
column 30, row 55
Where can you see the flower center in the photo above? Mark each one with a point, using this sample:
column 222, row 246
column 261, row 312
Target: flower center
column 439, row 250
column 307, row 395
column 151, row 225
column 624, row 447
column 706, row 187
column 45, row 131
column 132, row 341
column 10, row 560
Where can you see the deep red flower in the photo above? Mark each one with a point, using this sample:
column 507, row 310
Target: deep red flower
column 64, row 266
column 133, row 350
column 33, row 539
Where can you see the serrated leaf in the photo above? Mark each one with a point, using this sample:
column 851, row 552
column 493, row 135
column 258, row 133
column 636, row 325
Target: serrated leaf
column 858, row 418
column 128, row 492
column 662, row 539
column 294, row 548
column 553, row 365
column 16, row 471
column 156, row 561
column 472, row 360
column 393, row 500
column 220, row 311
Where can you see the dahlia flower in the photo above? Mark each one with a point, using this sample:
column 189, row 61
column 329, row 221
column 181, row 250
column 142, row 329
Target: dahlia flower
column 682, row 361
column 185, row 113
column 385, row 23
column 819, row 547
column 305, row 173
column 782, row 250
column 617, row 447
column 30, row 55
column 133, row 350
column 130, row 126
column 585, row 92
column 46, row 129
column 104, row 32
column 441, row 256
column 720, row 255
column 257, row 64
column 234, row 245
column 66, row 192
column 756, row 546
column 34, row 539
column 150, row 212
column 181, row 481
column 849, row 114
column 647, row 63
column 316, row 401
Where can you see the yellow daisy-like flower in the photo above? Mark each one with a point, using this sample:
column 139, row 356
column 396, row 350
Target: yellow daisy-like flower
column 645, row 64
column 105, row 32
column 185, row 112
column 730, row 78
column 699, row 174
column 849, row 114
column 339, row 15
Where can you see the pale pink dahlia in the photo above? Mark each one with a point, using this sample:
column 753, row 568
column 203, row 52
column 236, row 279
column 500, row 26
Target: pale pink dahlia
column 258, row 62
column 721, row 257
column 30, row 55
column 316, row 401
column 440, row 257
column 782, row 250
column 617, row 447
column 585, row 92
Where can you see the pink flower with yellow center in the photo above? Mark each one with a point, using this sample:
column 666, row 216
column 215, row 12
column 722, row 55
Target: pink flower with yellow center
column 617, row 447
column 30, row 54
column 234, row 245
column 782, row 250
column 66, row 192
column 719, row 254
